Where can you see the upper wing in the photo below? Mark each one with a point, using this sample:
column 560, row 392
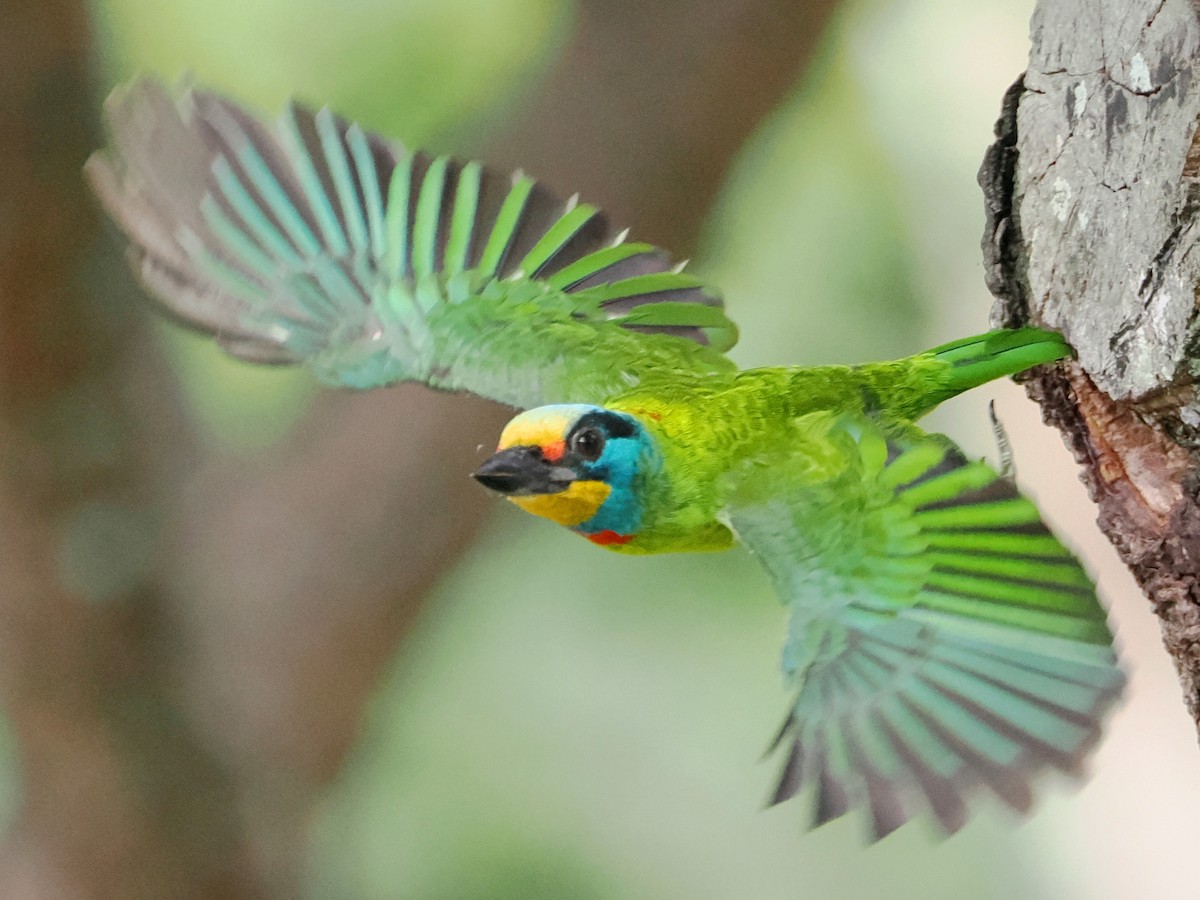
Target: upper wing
column 310, row 240
column 940, row 636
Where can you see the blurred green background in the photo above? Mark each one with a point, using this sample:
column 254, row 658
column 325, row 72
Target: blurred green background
column 572, row 724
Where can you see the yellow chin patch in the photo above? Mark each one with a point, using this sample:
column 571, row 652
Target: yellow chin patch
column 571, row 507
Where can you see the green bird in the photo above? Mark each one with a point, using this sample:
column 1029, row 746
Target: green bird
column 940, row 639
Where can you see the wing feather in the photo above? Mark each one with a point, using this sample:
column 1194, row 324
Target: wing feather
column 941, row 638
column 311, row 240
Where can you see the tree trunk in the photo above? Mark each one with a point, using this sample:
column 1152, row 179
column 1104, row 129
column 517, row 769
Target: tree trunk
column 1093, row 197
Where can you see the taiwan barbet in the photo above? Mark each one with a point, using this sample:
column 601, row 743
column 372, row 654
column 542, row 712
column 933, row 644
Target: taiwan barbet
column 940, row 638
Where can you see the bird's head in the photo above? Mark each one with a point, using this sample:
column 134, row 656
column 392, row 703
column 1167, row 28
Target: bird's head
column 580, row 466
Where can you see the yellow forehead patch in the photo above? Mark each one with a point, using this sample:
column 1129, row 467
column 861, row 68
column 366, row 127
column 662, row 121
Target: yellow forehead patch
column 574, row 506
column 529, row 430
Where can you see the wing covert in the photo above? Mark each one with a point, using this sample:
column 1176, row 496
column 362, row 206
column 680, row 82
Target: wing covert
column 310, row 240
column 940, row 637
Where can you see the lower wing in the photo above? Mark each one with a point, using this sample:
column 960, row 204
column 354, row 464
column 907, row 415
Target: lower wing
column 941, row 638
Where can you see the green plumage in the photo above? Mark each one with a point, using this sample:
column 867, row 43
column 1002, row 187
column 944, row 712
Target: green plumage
column 940, row 638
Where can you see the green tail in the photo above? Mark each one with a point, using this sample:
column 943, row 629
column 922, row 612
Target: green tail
column 985, row 357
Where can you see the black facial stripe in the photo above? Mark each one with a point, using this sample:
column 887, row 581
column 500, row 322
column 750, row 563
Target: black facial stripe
column 608, row 423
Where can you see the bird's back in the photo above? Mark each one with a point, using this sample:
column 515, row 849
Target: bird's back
column 713, row 428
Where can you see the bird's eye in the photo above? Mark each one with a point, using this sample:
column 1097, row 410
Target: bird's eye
column 587, row 444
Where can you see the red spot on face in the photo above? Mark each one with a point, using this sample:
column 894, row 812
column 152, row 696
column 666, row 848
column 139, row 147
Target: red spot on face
column 554, row 450
column 604, row 538
column 649, row 414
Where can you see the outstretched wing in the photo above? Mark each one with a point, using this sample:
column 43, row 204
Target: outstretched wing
column 312, row 241
column 940, row 638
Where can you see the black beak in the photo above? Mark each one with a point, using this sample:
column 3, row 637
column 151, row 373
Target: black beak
column 520, row 471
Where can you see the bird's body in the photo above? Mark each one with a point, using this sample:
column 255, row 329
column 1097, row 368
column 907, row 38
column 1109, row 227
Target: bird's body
column 940, row 637
column 709, row 428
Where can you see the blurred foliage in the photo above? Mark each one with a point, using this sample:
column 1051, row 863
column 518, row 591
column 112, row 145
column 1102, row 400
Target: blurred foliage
column 10, row 777
column 105, row 550
column 807, row 242
column 568, row 723
column 419, row 68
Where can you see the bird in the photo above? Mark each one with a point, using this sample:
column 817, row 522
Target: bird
column 940, row 640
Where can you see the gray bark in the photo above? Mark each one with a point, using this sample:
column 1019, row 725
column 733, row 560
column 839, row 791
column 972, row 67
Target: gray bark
column 1093, row 195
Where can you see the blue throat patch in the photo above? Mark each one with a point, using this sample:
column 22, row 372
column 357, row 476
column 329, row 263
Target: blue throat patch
column 619, row 467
